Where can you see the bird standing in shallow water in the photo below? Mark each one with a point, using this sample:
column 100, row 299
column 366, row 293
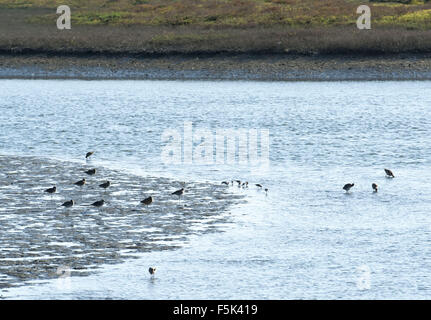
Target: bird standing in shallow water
column 152, row 270
column 179, row 193
column 80, row 182
column 389, row 173
column 91, row 172
column 225, row 183
column 98, row 203
column 68, row 204
column 147, row 201
column 89, row 154
column 105, row 184
column 51, row 190
column 258, row 185
column 375, row 187
column 348, row 186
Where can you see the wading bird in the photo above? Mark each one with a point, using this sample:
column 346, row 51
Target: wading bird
column 89, row 154
column 375, row 187
column 98, row 203
column 225, row 183
column 80, row 182
column 389, row 173
column 147, row 201
column 348, row 186
column 179, row 193
column 105, row 184
column 51, row 190
column 152, row 270
column 91, row 172
column 68, row 204
column 258, row 185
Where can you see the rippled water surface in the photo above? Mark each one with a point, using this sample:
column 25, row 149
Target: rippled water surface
column 305, row 239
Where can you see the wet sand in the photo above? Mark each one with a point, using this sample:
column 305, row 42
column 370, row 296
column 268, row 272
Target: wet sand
column 267, row 67
column 38, row 236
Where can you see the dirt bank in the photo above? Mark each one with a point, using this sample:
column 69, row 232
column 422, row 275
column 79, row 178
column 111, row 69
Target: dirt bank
column 277, row 67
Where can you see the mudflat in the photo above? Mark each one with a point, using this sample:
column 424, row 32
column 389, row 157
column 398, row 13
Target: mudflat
column 271, row 67
column 40, row 238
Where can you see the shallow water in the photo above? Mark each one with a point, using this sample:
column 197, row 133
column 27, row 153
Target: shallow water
column 306, row 239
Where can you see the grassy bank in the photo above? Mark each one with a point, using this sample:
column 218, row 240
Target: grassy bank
column 136, row 27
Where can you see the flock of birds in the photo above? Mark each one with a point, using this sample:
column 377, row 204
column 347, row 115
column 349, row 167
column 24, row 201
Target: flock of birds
column 375, row 187
column 147, row 201
column 243, row 185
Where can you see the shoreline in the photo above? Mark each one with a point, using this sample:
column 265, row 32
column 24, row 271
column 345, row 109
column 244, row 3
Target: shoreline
column 252, row 67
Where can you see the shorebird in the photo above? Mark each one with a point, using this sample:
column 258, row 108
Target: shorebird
column 225, row 183
column 51, row 190
column 98, row 203
column 348, row 186
column 245, row 185
column 375, row 187
column 91, row 172
column 105, row 184
column 80, row 182
column 389, row 173
column 266, row 191
column 89, row 154
column 147, row 201
column 179, row 193
column 258, row 185
column 152, row 270
column 68, row 204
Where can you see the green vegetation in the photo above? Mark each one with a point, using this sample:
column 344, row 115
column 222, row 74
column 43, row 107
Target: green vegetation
column 162, row 26
column 227, row 13
column 413, row 20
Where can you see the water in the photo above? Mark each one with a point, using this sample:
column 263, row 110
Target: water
column 306, row 239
